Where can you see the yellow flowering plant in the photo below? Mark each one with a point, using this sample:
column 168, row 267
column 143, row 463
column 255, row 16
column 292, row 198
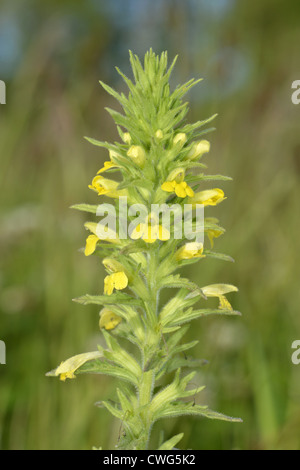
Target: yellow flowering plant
column 157, row 160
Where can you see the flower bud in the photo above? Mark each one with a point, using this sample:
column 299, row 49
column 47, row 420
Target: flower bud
column 127, row 138
column 199, row 149
column 112, row 265
column 159, row 134
column 208, row 197
column 176, row 175
column 137, row 154
column 179, row 140
column 190, row 251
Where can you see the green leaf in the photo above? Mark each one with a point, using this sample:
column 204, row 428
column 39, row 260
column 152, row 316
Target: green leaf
column 92, row 208
column 135, row 247
column 179, row 282
column 140, row 183
column 191, row 127
column 202, row 177
column 105, row 368
column 125, row 401
column 194, row 314
column 117, row 298
column 113, row 409
column 221, row 256
column 171, row 443
column 99, row 143
column 181, row 362
column 122, row 100
column 174, row 410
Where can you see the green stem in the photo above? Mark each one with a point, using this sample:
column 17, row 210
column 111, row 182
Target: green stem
column 145, row 396
column 148, row 376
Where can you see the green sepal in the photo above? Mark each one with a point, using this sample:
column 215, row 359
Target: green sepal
column 171, row 443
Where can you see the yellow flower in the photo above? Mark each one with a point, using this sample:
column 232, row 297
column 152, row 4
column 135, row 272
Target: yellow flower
column 107, row 165
column 108, row 319
column 150, row 231
column 180, row 189
column 189, row 251
column 104, row 186
column 137, row 154
column 112, row 265
column 219, row 290
column 67, row 368
column 117, row 280
column 198, row 149
column 208, row 197
column 93, row 239
column 90, row 246
column 213, row 233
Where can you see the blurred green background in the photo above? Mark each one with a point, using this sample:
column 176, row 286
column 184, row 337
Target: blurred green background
column 52, row 55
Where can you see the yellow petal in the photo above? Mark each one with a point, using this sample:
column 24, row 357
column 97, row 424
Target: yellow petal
column 90, row 246
column 215, row 290
column 168, row 186
column 107, row 166
column 138, row 232
column 108, row 319
column 208, row 197
column 213, row 233
column 117, row 281
column 109, row 235
column 67, row 368
column 224, row 304
column 163, row 233
column 150, row 236
column 120, row 280
column 180, row 189
column 189, row 191
column 189, row 251
column 108, row 285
